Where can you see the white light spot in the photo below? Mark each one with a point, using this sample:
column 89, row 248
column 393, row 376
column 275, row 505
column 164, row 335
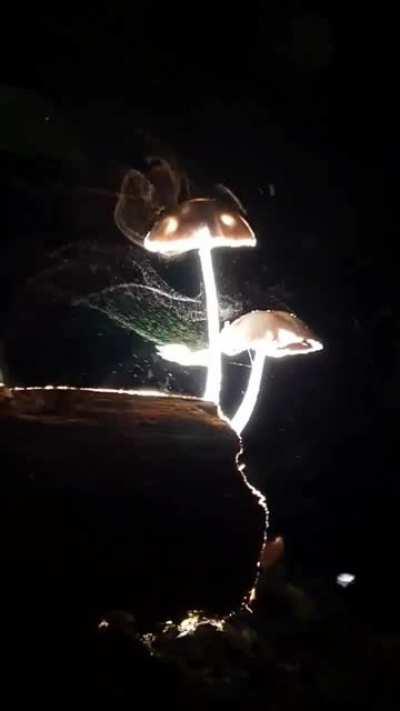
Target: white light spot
column 252, row 595
column 171, row 226
column 180, row 353
column 228, row 220
column 103, row 624
column 196, row 619
column 286, row 337
column 345, row 579
column 213, row 384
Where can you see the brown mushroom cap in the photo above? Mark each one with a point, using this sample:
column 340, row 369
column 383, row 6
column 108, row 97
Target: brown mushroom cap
column 277, row 333
column 180, row 230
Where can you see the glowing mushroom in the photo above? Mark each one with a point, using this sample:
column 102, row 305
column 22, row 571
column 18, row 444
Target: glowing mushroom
column 203, row 224
column 273, row 334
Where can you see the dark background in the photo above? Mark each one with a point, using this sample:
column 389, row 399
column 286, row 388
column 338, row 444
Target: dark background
column 288, row 95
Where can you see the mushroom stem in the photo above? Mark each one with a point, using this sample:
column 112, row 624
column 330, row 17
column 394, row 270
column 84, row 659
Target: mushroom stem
column 243, row 414
column 213, row 384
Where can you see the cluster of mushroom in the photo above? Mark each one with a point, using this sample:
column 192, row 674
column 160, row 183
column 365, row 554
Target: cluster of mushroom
column 203, row 224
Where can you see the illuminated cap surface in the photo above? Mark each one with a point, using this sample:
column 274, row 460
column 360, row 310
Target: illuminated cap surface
column 195, row 223
column 278, row 333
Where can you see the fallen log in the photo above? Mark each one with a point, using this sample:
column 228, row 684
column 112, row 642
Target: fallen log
column 122, row 500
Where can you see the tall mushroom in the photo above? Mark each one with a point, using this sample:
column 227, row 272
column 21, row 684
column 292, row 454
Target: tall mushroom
column 203, row 224
column 273, row 334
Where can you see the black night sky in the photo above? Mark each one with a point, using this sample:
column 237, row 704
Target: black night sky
column 293, row 107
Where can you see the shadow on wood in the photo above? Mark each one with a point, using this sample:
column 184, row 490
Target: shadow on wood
column 114, row 500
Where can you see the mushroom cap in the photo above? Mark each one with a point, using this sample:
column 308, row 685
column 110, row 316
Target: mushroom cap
column 276, row 333
column 198, row 222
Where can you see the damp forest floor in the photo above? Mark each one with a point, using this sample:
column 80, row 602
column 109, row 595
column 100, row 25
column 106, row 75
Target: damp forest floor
column 304, row 646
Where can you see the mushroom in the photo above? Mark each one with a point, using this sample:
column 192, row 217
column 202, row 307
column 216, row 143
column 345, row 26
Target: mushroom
column 273, row 334
column 203, row 224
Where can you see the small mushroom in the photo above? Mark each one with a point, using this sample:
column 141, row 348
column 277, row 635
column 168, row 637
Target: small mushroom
column 273, row 334
column 203, row 224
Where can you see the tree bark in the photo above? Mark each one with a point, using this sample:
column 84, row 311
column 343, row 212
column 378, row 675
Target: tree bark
column 114, row 500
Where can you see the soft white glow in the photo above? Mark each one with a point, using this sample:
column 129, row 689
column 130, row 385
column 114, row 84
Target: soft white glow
column 244, row 412
column 103, row 624
column 180, row 353
column 345, row 579
column 171, row 226
column 285, row 337
column 197, row 241
column 252, row 596
column 228, row 220
column 296, row 347
column 213, row 384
